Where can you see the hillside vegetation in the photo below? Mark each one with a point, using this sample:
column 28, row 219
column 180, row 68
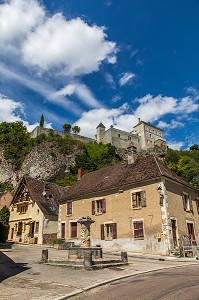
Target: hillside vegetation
column 185, row 163
column 17, row 145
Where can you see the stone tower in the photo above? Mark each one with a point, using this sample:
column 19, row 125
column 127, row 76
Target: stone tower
column 100, row 133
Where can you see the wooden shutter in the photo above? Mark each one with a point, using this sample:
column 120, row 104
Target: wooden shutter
column 134, row 202
column 143, row 197
column 114, row 231
column 63, row 230
column 138, row 229
column 102, row 231
column 93, row 207
column 103, row 205
column 190, row 203
column 73, row 229
column 69, row 208
column 184, row 202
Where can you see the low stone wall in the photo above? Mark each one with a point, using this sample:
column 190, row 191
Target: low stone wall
column 74, row 253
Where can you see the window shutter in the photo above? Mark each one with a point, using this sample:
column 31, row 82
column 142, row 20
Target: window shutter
column 69, row 208
column 114, row 231
column 143, row 195
column 190, row 204
column 102, row 231
column 138, row 229
column 184, row 202
column 93, row 207
column 104, row 205
column 134, row 202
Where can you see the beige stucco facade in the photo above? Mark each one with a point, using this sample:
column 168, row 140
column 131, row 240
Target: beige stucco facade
column 30, row 225
column 163, row 204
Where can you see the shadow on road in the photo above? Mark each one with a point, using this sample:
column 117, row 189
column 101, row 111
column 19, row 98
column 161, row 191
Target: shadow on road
column 8, row 267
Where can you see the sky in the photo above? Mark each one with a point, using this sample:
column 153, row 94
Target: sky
column 84, row 62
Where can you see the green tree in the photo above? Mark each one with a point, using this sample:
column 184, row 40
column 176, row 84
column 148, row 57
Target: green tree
column 76, row 129
column 41, row 123
column 15, row 140
column 67, row 128
column 4, row 224
column 194, row 147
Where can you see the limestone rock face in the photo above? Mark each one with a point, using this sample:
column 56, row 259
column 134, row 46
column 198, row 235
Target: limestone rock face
column 7, row 172
column 45, row 161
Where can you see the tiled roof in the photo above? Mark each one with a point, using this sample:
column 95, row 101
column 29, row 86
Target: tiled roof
column 119, row 175
column 48, row 205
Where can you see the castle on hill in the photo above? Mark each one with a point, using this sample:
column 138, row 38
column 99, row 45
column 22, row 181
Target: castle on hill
column 144, row 136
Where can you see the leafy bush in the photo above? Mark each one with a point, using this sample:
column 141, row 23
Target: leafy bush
column 4, row 224
column 58, row 241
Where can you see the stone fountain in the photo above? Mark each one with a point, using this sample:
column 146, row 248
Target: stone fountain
column 85, row 247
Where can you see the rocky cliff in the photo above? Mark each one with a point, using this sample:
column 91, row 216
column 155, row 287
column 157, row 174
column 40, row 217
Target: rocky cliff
column 45, row 161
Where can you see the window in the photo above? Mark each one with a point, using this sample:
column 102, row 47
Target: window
column 187, row 202
column 119, row 135
column 73, row 229
column 190, row 230
column 69, row 206
column 98, row 206
column 36, row 227
column 108, row 231
column 129, row 138
column 63, row 227
column 138, row 199
column 22, row 209
column 138, row 228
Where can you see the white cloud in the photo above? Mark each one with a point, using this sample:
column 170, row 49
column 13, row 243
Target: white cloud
column 126, row 78
column 173, row 124
column 149, row 109
column 74, row 48
column 47, row 46
column 109, row 79
column 116, row 98
column 91, row 119
column 17, row 18
column 84, row 94
column 12, row 111
column 40, row 87
column 175, row 145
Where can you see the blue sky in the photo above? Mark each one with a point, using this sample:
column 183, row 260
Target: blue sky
column 84, row 62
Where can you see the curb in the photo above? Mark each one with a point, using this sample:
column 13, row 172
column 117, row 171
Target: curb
column 90, row 287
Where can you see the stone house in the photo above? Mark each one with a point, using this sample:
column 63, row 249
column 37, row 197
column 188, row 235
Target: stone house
column 140, row 207
column 144, row 136
column 5, row 199
column 34, row 211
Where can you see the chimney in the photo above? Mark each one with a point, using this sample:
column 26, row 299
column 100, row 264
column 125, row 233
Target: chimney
column 80, row 173
column 139, row 120
column 132, row 154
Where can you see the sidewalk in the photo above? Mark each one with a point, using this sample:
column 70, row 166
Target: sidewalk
column 23, row 277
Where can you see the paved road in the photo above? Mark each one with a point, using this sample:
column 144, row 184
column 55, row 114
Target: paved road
column 173, row 284
column 22, row 277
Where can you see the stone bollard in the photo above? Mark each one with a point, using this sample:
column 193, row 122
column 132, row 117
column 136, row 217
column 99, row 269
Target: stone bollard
column 44, row 257
column 88, row 261
column 124, row 257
